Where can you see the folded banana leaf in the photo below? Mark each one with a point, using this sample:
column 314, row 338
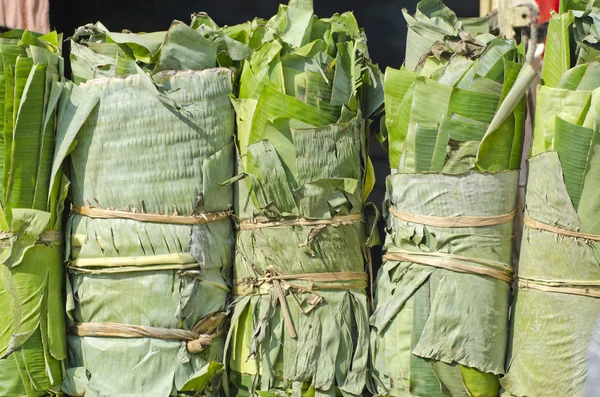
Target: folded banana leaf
column 554, row 321
column 454, row 131
column 32, row 328
column 148, row 131
column 305, row 98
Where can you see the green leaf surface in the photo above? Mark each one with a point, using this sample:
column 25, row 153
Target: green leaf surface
column 306, row 94
column 274, row 105
column 480, row 384
column 562, row 190
column 570, row 104
column 32, row 327
column 503, row 139
column 27, row 141
column 184, row 48
column 299, row 22
column 430, row 103
column 474, row 105
column 572, row 143
column 571, row 79
column 426, row 138
column 461, row 118
column 398, row 102
column 589, row 204
column 557, row 59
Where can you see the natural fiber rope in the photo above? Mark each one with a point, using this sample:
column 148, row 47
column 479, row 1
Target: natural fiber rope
column 249, row 224
column 253, row 224
column 585, row 288
column 116, row 330
column 451, row 262
column 135, row 261
column 129, row 269
column 454, row 221
column 253, row 285
column 241, row 286
column 47, row 237
column 100, row 213
column 533, row 224
column 140, row 263
column 570, row 287
column 196, row 340
column 497, row 265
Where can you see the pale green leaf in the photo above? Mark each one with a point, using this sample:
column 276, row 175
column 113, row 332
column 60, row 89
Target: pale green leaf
column 557, row 59
column 184, row 48
column 572, row 143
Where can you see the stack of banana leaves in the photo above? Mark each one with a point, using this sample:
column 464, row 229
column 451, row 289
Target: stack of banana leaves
column 148, row 132
column 300, row 315
column 454, row 130
column 32, row 193
column 557, row 303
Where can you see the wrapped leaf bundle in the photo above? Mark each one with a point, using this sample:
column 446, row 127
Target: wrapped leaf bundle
column 557, row 303
column 300, row 318
column 454, row 125
column 32, row 193
column 150, row 240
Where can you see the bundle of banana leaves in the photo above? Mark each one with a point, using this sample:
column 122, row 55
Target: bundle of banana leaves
column 454, row 130
column 557, row 303
column 32, row 193
column 149, row 137
column 300, row 315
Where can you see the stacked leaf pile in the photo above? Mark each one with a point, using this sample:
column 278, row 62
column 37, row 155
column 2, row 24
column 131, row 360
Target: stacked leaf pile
column 300, row 319
column 557, row 303
column 32, row 192
column 150, row 137
column 454, row 130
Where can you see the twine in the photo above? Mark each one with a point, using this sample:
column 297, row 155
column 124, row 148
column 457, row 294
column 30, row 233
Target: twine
column 252, row 224
column 199, row 219
column 200, row 337
column 454, row 221
column 273, row 279
column 580, row 288
column 454, row 263
column 532, row 223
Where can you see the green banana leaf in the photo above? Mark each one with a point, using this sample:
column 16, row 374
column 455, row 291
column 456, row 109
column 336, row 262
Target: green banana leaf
column 564, row 322
column 96, row 52
column 305, row 99
column 562, row 190
column 438, row 332
column 459, row 83
column 150, row 132
column 454, row 130
column 32, row 326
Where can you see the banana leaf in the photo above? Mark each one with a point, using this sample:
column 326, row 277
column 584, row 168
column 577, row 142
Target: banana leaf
column 562, row 191
column 157, row 139
column 306, row 95
column 454, row 123
column 438, row 332
column 96, row 52
column 32, row 329
column 572, row 39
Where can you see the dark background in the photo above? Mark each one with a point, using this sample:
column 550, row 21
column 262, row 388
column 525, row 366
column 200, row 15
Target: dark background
column 382, row 20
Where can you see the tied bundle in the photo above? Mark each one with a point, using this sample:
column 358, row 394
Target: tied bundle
column 454, row 132
column 557, row 302
column 32, row 193
column 300, row 317
column 149, row 136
